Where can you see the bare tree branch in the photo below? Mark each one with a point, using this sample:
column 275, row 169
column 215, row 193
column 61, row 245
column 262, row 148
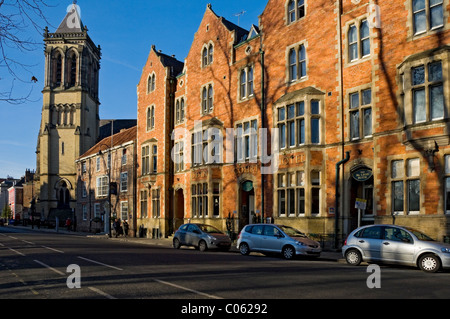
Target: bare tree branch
column 17, row 17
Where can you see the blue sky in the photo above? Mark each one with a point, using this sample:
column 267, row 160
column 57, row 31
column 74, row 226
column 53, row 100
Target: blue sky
column 125, row 30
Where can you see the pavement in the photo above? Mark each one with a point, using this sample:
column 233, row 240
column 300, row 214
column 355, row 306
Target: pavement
column 328, row 255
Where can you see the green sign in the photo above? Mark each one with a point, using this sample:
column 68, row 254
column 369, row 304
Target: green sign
column 362, row 175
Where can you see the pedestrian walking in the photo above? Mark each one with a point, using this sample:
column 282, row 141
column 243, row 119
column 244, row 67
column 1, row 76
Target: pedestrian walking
column 69, row 224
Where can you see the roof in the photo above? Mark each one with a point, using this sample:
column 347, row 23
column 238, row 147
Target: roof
column 171, row 62
column 124, row 136
column 72, row 21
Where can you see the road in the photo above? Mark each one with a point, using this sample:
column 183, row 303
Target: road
column 35, row 265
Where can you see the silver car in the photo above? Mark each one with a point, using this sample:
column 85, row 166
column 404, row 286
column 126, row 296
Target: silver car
column 201, row 236
column 396, row 244
column 268, row 238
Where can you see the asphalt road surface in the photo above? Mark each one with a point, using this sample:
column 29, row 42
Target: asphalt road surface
column 39, row 266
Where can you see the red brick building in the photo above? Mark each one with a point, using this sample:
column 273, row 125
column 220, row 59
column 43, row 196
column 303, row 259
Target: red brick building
column 356, row 96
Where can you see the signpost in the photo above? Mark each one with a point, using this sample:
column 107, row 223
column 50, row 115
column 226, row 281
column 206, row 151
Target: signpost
column 361, row 204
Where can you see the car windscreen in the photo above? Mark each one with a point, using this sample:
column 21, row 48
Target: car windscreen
column 292, row 232
column 209, row 229
column 420, row 235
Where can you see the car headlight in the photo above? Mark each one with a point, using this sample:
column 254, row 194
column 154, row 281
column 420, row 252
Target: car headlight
column 445, row 250
column 212, row 237
column 300, row 243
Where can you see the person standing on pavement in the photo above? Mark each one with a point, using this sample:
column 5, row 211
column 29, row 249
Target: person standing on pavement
column 125, row 228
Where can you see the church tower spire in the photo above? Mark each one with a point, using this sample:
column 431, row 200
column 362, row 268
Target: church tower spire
column 70, row 113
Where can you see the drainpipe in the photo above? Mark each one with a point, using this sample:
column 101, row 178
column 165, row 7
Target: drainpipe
column 336, row 213
column 263, row 119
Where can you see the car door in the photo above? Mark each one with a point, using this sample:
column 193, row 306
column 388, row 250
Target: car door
column 271, row 239
column 255, row 237
column 370, row 242
column 192, row 235
column 181, row 234
column 398, row 245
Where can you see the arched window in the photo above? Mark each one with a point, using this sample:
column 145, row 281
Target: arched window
column 302, row 61
column 295, row 10
column 210, row 54
column 205, row 57
column 243, row 83
column 151, row 118
column 182, row 110
column 205, row 100
column 246, row 82
column 177, row 112
column 293, row 65
column 57, row 65
column 210, row 98
column 72, row 69
column 291, row 11
column 151, row 83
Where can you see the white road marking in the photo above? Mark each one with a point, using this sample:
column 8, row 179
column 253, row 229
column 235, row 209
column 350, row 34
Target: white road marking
column 51, row 268
column 17, row 252
column 55, row 250
column 101, row 293
column 187, row 289
column 99, row 263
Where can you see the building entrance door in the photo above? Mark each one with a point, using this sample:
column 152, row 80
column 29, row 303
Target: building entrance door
column 178, row 219
column 247, row 205
column 361, row 196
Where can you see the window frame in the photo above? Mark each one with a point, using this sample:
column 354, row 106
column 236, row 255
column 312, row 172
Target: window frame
column 358, row 39
column 361, row 109
column 295, row 11
column 207, row 54
column 291, row 191
column 297, row 63
column 246, row 83
column 303, row 121
column 409, row 88
column 102, row 186
column 405, row 178
column 427, row 14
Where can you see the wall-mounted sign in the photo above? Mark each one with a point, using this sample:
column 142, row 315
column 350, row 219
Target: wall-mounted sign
column 362, row 175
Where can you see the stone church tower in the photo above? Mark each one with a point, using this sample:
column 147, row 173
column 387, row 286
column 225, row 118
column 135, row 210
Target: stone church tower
column 70, row 113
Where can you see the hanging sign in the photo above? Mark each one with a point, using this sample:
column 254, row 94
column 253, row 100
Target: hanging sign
column 362, row 175
column 247, row 186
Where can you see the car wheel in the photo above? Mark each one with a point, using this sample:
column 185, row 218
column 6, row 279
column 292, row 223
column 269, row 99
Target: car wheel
column 176, row 243
column 429, row 263
column 244, row 249
column 202, row 246
column 288, row 252
column 353, row 257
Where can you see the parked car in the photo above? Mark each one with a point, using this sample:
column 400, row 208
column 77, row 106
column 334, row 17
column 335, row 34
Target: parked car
column 396, row 244
column 201, row 236
column 269, row 238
